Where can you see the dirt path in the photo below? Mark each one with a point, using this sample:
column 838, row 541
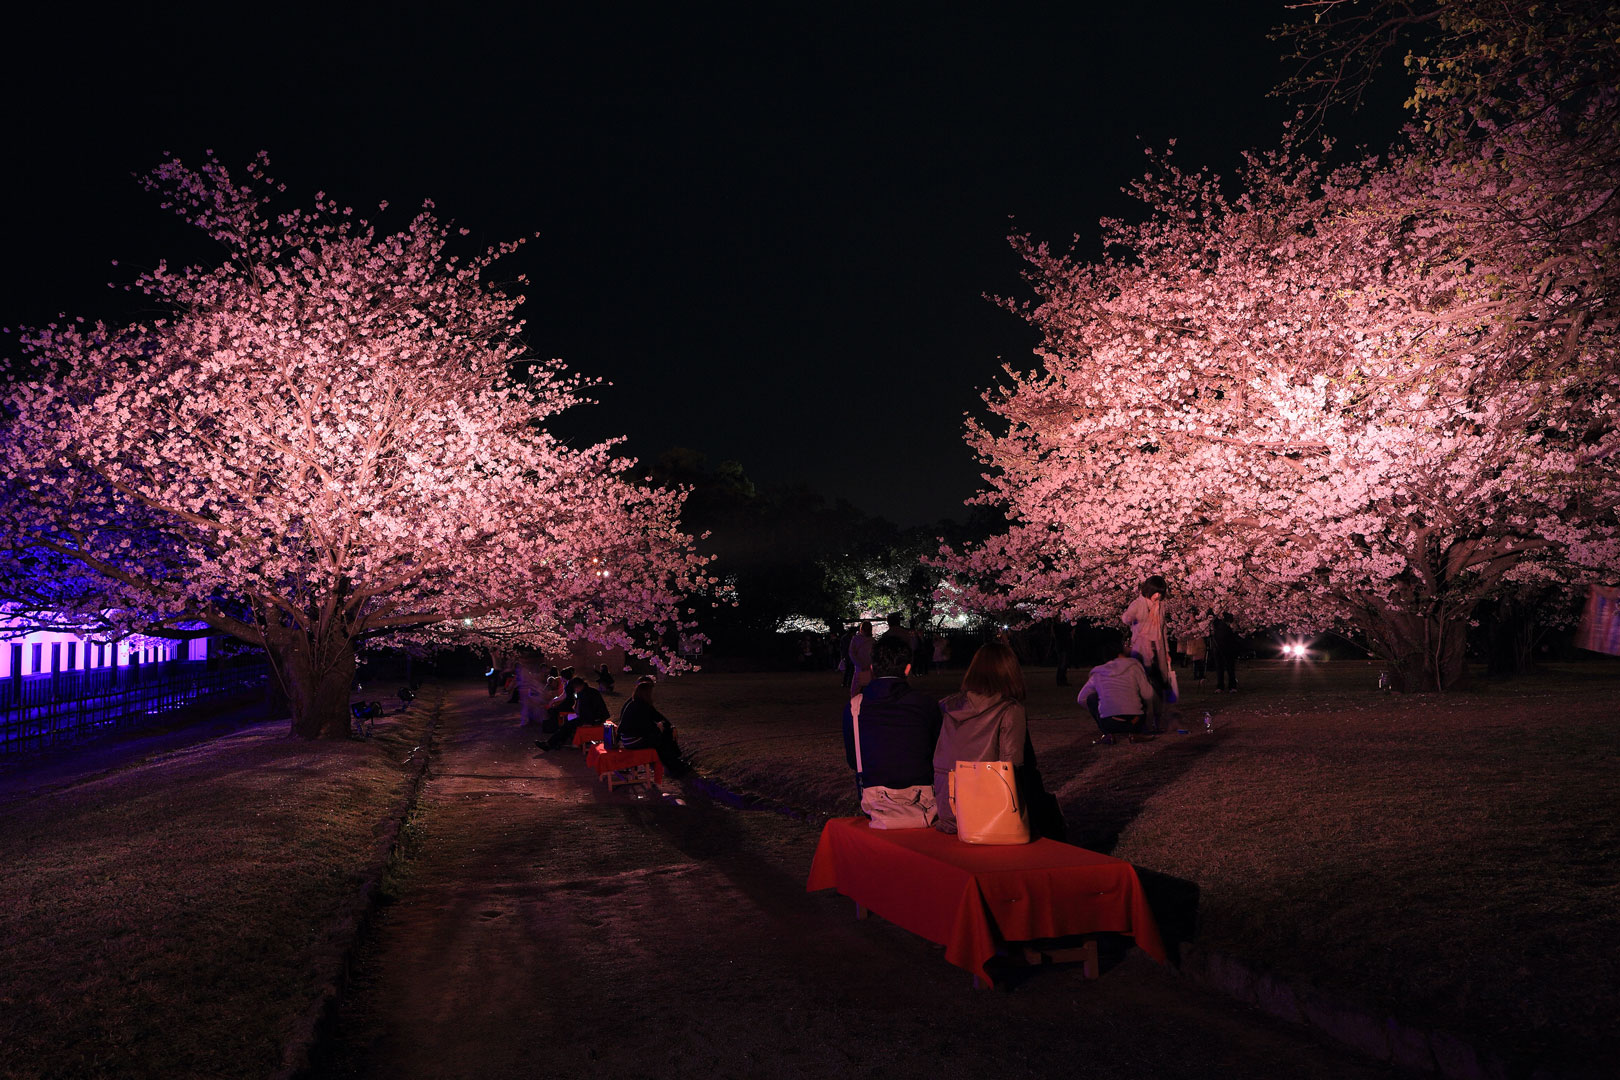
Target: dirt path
column 545, row 927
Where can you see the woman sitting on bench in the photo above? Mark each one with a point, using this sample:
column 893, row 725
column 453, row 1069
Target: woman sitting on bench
column 641, row 726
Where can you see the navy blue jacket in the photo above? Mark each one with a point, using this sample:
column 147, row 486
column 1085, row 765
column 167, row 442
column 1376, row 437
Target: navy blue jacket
column 899, row 727
column 589, row 706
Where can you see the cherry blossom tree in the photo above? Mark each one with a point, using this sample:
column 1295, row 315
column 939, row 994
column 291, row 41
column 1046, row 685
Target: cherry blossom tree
column 332, row 436
column 1372, row 399
column 1299, row 405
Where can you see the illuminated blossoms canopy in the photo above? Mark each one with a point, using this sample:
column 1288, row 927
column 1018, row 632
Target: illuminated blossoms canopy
column 333, row 435
column 1300, row 407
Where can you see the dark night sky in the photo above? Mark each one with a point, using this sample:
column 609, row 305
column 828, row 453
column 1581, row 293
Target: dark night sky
column 773, row 237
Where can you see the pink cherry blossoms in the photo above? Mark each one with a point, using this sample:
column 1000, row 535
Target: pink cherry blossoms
column 332, row 436
column 1364, row 399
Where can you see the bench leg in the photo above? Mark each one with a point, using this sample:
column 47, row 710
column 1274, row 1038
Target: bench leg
column 1085, row 955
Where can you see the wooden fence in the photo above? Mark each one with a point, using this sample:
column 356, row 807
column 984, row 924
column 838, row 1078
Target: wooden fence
column 37, row 711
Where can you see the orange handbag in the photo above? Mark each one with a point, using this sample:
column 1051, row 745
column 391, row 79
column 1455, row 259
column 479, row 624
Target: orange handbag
column 985, row 800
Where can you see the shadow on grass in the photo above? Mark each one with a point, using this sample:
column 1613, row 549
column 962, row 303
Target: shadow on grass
column 1114, row 795
column 1118, row 789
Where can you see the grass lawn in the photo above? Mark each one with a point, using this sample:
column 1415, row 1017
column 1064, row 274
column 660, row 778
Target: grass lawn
column 167, row 919
column 1452, row 858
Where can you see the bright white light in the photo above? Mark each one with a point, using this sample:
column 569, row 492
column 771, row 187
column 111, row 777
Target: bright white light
column 799, row 624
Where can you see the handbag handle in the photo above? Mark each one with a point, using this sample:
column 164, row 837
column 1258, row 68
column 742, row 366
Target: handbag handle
column 855, row 723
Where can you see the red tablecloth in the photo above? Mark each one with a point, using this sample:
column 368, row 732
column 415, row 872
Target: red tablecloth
column 972, row 897
column 586, row 734
column 606, row 761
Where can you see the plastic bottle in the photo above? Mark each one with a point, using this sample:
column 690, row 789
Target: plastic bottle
column 1209, row 724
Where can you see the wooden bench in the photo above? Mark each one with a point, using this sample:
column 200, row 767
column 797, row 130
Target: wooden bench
column 620, row 767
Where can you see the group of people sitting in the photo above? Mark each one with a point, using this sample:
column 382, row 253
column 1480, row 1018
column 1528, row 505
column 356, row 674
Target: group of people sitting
column 908, row 739
column 571, row 702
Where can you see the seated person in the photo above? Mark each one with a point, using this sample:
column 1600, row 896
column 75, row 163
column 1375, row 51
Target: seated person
column 899, row 725
column 589, row 708
column 643, row 727
column 1118, row 695
column 604, row 679
column 561, row 703
column 985, row 722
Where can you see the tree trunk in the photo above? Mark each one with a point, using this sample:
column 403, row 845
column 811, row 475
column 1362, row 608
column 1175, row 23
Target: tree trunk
column 1425, row 652
column 1511, row 634
column 318, row 676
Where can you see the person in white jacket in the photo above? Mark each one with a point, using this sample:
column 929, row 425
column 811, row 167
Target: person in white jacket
column 1150, row 642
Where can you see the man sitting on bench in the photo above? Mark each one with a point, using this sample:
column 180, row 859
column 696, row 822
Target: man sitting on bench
column 1118, row 694
column 589, row 708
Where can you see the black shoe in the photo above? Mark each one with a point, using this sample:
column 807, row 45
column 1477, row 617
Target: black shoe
column 543, row 745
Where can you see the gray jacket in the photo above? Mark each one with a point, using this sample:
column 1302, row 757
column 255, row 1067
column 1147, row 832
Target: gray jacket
column 976, row 728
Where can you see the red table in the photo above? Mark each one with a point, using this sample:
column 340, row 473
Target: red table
column 971, row 898
column 625, row 766
column 586, row 734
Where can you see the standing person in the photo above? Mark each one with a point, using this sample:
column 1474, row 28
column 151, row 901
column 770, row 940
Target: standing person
column 1224, row 643
column 899, row 726
column 1119, row 696
column 942, row 652
column 860, row 658
column 1063, row 642
column 841, row 650
column 1196, row 649
column 641, row 726
column 1150, row 643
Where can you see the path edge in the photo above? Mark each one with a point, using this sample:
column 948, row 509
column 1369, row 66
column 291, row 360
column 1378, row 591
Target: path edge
column 348, row 929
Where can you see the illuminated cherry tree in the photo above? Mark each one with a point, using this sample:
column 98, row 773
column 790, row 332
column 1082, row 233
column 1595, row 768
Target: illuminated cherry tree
column 1303, row 408
column 333, row 436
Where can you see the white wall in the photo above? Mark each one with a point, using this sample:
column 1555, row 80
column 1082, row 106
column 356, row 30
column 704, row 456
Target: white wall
column 154, row 650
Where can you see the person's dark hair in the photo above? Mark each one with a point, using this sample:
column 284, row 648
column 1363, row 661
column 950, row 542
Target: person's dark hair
column 551, row 670
column 568, row 672
column 643, row 691
column 1154, row 584
column 891, row 656
column 994, row 672
column 576, row 683
column 1119, row 644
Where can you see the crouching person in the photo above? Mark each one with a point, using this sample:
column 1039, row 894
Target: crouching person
column 1119, row 695
column 889, row 736
column 643, row 727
